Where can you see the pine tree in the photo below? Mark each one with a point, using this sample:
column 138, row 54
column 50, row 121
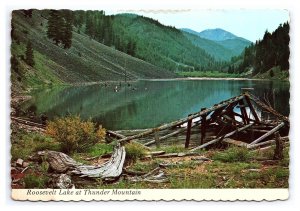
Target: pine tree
column 29, row 57
column 89, row 26
column 67, row 28
column 55, row 26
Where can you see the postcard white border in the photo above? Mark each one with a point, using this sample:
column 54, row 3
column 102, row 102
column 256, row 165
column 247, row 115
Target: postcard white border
column 6, row 201
column 149, row 194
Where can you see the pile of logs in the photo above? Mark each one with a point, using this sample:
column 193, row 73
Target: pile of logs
column 234, row 121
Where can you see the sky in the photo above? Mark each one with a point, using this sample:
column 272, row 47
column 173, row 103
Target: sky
column 249, row 24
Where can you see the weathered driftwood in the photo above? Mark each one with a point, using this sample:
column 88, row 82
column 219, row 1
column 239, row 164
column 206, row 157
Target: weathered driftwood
column 58, row 161
column 220, row 138
column 64, row 182
column 61, row 163
column 154, row 176
column 181, row 121
column 268, row 134
column 285, row 138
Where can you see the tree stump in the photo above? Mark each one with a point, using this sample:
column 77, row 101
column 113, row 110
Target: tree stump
column 278, row 152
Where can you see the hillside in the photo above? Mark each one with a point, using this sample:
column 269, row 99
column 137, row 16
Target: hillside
column 219, row 43
column 87, row 60
column 236, row 45
column 164, row 46
column 269, row 57
column 213, row 48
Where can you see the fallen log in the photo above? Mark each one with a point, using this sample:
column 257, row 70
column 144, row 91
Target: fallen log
column 235, row 142
column 61, row 163
column 285, row 138
column 268, row 133
column 115, row 134
column 154, row 176
column 222, row 137
column 120, row 136
column 156, row 153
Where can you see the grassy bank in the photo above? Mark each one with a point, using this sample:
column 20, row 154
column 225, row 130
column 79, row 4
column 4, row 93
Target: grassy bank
column 274, row 73
column 231, row 168
column 221, row 172
column 208, row 74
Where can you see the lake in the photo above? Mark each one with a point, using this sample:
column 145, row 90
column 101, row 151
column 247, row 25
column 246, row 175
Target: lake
column 149, row 103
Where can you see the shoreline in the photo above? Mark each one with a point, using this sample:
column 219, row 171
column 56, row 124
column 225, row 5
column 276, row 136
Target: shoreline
column 109, row 83
column 170, row 79
column 205, row 78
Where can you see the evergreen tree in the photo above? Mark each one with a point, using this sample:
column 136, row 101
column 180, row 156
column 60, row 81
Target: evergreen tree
column 67, row 28
column 28, row 13
column 13, row 32
column 89, row 26
column 272, row 50
column 55, row 26
column 29, row 57
column 14, row 64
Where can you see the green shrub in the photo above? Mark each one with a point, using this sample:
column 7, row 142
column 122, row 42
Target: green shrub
column 233, row 154
column 29, row 143
column 134, row 151
column 100, row 149
column 73, row 134
column 33, row 181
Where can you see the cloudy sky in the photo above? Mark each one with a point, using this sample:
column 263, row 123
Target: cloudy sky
column 250, row 24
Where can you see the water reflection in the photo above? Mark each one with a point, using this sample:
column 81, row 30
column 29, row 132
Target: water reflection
column 149, row 103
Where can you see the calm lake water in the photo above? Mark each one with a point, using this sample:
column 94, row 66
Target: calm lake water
column 147, row 104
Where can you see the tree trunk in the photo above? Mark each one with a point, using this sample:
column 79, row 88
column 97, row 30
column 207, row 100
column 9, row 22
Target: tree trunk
column 60, row 162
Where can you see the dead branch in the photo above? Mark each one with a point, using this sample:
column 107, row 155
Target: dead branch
column 268, row 133
column 220, row 138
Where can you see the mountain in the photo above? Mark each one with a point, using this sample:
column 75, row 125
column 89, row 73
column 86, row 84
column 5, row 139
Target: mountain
column 218, row 51
column 230, row 42
column 161, row 45
column 216, row 34
column 86, row 61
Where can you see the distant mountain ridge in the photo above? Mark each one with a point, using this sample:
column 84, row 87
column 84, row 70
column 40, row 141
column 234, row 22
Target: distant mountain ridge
column 217, row 34
column 232, row 44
